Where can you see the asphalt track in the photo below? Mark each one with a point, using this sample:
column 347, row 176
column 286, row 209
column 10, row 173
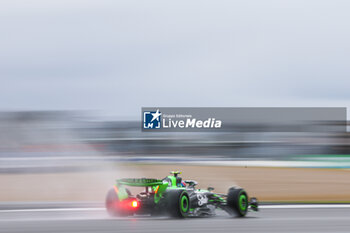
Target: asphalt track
column 279, row 218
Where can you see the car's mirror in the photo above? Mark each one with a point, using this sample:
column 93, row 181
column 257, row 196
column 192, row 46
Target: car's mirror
column 191, row 183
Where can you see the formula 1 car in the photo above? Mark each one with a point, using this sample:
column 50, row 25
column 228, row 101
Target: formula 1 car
column 176, row 198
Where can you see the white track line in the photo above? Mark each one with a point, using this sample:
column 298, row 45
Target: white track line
column 52, row 210
column 304, row 206
column 289, row 206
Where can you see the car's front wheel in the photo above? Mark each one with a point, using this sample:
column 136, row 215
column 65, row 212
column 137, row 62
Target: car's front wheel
column 237, row 201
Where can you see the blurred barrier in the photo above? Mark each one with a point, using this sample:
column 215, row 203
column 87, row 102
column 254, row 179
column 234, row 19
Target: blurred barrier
column 40, row 141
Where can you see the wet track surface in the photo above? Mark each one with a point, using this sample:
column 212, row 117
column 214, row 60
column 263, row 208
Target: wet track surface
column 96, row 220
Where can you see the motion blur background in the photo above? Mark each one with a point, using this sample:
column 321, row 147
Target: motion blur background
column 75, row 74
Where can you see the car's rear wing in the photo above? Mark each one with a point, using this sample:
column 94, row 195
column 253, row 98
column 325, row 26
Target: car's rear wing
column 139, row 182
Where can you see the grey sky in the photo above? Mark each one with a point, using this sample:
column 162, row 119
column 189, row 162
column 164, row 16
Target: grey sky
column 116, row 56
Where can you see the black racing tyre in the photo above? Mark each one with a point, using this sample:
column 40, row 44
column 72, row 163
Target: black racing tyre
column 237, row 201
column 112, row 205
column 177, row 203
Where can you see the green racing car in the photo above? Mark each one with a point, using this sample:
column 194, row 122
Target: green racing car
column 176, row 198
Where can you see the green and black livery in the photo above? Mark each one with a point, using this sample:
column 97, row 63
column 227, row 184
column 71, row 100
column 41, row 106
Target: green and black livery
column 176, row 198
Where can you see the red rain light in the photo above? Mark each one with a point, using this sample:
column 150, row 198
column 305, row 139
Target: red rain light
column 134, row 204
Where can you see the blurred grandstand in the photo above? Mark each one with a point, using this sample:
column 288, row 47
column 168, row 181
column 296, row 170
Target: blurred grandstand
column 67, row 140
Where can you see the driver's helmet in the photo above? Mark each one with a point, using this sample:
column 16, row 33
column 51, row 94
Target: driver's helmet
column 179, row 182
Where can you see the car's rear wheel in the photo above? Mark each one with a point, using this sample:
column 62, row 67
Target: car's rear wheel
column 178, row 203
column 237, row 201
